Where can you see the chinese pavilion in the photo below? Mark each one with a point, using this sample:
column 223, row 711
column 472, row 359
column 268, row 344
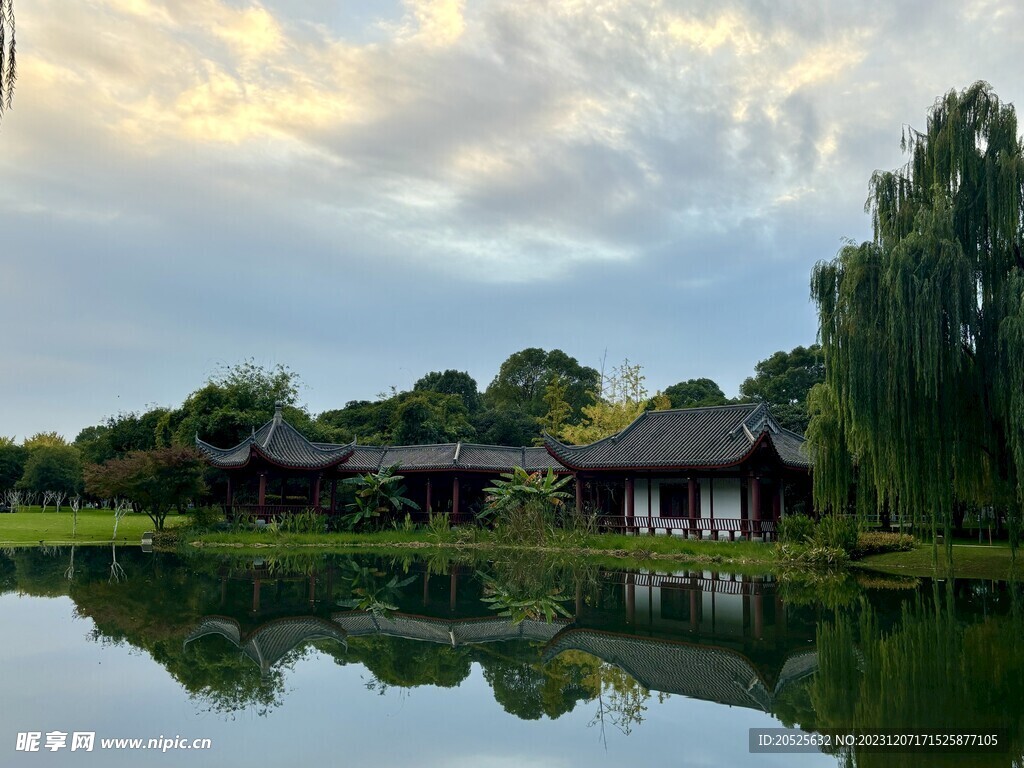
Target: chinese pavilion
column 719, row 471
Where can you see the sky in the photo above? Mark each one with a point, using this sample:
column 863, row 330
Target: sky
column 368, row 191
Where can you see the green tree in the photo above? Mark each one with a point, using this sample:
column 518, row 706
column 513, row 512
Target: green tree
column 694, row 393
column 524, row 376
column 131, row 431
column 12, row 463
column 500, row 427
column 429, row 417
column 154, row 481
column 559, row 410
column 623, row 399
column 44, row 439
column 234, row 401
column 94, row 444
column 922, row 328
column 783, row 381
column 52, row 468
column 452, row 382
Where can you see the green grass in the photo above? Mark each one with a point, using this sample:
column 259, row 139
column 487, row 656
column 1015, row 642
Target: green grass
column 95, row 526
column 969, row 561
column 642, row 551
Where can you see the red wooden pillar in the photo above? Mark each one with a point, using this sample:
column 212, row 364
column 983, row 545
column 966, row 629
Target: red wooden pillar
column 316, row 491
column 758, row 600
column 312, row 587
column 578, row 481
column 428, row 506
column 453, row 590
column 263, row 489
column 455, row 499
column 755, row 502
column 630, row 511
column 745, row 507
column 255, row 595
column 630, row 599
column 334, row 495
column 691, row 503
column 426, row 588
column 777, row 504
column 227, row 498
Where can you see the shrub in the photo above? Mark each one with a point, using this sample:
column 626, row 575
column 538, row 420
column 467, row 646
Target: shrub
column 815, row 555
column 303, row 522
column 835, row 532
column 875, row 543
column 796, row 529
column 205, row 518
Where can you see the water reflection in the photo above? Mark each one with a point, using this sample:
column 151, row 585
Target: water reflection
column 820, row 652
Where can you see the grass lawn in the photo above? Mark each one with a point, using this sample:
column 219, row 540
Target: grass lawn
column 95, row 526
column 969, row 560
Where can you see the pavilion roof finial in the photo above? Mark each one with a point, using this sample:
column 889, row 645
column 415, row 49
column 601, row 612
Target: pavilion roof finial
column 278, row 407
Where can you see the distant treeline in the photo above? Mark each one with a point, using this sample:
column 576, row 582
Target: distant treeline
column 534, row 391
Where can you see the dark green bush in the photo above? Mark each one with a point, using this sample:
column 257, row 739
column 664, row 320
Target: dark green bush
column 877, row 542
column 835, row 532
column 205, row 518
column 796, row 529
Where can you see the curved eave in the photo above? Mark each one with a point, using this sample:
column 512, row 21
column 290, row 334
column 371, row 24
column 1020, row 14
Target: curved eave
column 212, row 456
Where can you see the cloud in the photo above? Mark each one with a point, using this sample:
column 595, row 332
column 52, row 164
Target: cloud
column 233, row 179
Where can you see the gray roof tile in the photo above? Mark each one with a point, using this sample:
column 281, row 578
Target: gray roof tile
column 683, row 438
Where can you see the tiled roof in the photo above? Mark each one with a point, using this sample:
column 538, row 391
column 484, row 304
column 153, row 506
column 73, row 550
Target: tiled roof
column 270, row 642
column 683, row 438
column 449, row 456
column 445, row 631
column 279, row 442
column 696, row 671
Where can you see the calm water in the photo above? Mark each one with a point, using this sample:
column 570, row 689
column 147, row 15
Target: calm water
column 372, row 661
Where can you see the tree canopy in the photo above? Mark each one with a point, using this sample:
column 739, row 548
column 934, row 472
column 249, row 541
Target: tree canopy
column 154, row 481
column 52, row 467
column 783, row 381
column 452, row 382
column 922, row 328
column 523, row 378
column 693, row 393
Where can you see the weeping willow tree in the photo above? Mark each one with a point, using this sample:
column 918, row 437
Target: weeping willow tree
column 8, row 59
column 922, row 328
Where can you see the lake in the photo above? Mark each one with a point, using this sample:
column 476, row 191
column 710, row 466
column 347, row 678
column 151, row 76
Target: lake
column 360, row 661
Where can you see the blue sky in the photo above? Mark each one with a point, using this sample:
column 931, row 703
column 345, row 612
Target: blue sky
column 366, row 191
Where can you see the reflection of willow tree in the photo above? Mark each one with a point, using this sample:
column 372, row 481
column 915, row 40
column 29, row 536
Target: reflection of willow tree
column 930, row 671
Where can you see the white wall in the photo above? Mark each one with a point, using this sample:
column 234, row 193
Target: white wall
column 727, row 497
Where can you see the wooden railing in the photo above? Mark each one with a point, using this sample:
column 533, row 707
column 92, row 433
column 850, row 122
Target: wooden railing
column 733, row 526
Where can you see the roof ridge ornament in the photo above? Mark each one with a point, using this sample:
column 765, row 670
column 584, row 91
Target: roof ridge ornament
column 458, row 450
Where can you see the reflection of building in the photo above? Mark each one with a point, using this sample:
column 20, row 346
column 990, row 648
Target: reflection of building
column 697, row 671
column 453, row 632
column 716, row 637
column 728, row 470
column 270, row 642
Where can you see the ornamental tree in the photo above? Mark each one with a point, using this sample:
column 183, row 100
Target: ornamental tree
column 154, row 481
column 922, row 328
